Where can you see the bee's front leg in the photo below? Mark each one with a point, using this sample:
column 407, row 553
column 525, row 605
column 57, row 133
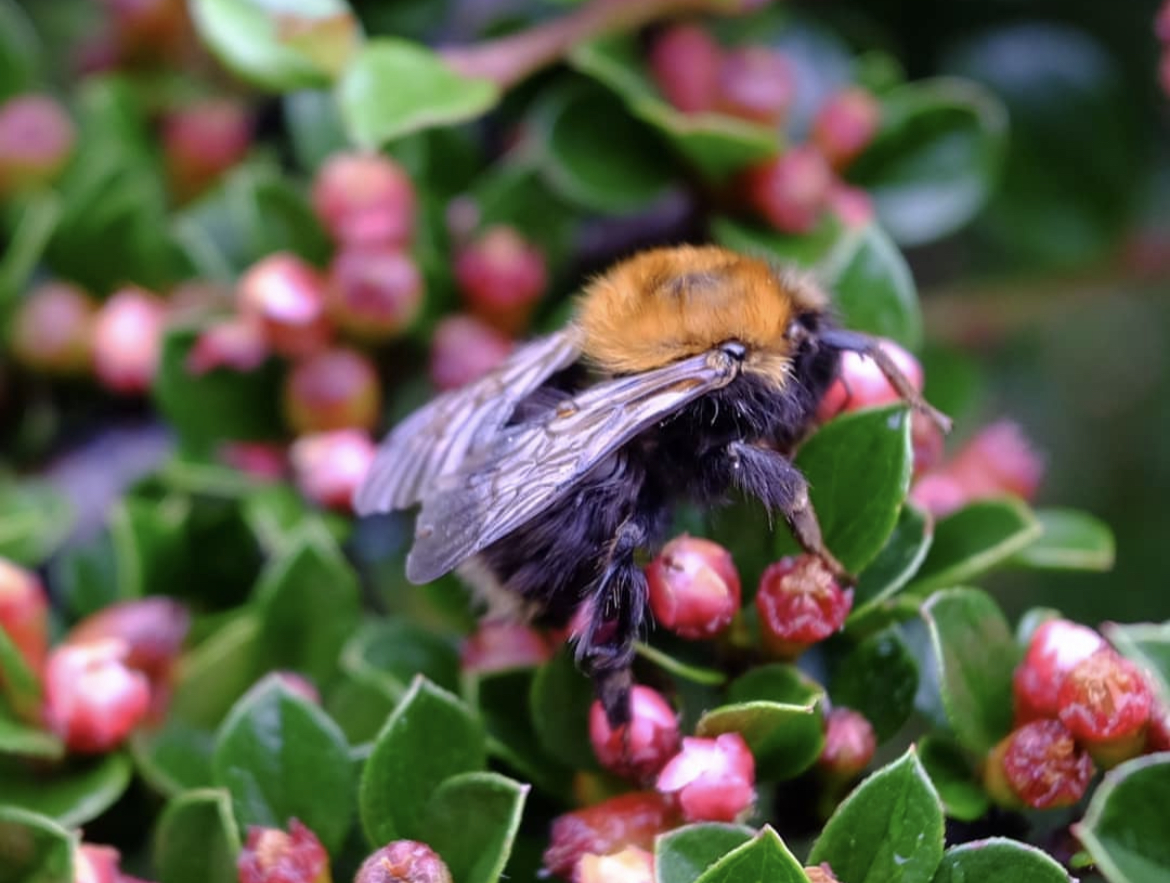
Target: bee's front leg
column 772, row 478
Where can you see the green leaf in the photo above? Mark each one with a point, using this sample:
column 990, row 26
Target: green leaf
column 1071, row 540
column 1124, row 827
column 33, row 848
column 281, row 757
column 975, row 654
column 594, row 154
column 471, row 821
column 1001, row 860
column 716, row 145
column 889, row 829
column 23, row 739
column 71, row 794
column 953, row 777
column 20, row 50
column 309, row 605
column 677, row 668
column 279, row 44
column 430, row 737
column 394, row 87
column 560, row 699
column 215, row 674
column 764, row 857
column 197, row 840
column 936, row 158
column 37, row 220
column 35, row 518
column 19, row 684
column 894, row 565
column 389, row 653
column 314, row 126
column 858, row 468
column 175, row 757
column 972, row 541
column 879, row 678
column 682, row 855
column 778, row 713
column 1147, row 644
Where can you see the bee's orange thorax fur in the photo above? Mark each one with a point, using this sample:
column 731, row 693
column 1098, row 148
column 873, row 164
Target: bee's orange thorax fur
column 670, row 303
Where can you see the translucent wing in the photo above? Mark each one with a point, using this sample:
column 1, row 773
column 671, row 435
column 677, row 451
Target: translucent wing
column 530, row 467
column 436, row 439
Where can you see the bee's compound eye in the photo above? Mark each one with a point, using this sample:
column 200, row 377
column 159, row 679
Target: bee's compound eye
column 734, row 349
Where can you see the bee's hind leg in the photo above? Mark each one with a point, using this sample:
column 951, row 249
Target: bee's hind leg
column 613, row 617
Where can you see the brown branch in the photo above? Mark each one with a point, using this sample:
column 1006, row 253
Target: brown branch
column 508, row 60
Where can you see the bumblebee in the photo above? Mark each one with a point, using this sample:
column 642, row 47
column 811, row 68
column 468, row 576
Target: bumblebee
column 687, row 374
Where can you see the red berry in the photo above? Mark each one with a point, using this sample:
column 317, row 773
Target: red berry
column 791, row 190
column 199, row 299
column 939, row 494
column 712, row 779
column 684, row 63
column 850, row 743
column 632, row 865
column 203, row 140
column 264, row 461
column 234, row 343
column 272, row 856
column 501, row 276
column 501, row 645
column 152, row 629
column 1105, row 697
column 335, row 389
column 286, row 296
column 927, row 442
column 365, row 199
column 374, row 293
column 800, row 603
column 96, row 864
column 845, row 125
column 36, row 141
column 127, row 340
column 633, row 819
column 1158, row 731
column 93, row 699
column 852, row 205
column 694, row 587
column 24, row 614
column 861, row 384
column 639, row 749
column 53, row 329
column 756, row 83
column 329, row 466
column 1041, row 766
column 463, row 349
column 403, row 861
column 1055, row 648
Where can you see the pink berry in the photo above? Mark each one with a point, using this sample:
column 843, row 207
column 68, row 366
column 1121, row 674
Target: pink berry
column 927, row 442
column 152, row 631
column 463, row 349
column 264, row 461
column 96, row 864
column 335, row 389
column 694, row 587
column 757, row 84
column 127, row 340
column 1038, row 765
column 639, row 749
column 845, row 125
column 1162, row 23
column 800, row 603
column 1000, row 459
column 365, row 199
column 790, row 191
column 850, row 743
column 861, row 384
column 299, row 685
column 939, row 494
column 852, row 205
column 36, row 141
column 374, row 293
column 712, row 779
column 286, row 297
column 203, row 140
column 822, row 873
column 53, row 329
column 1055, row 648
column 273, row 856
column 632, row 819
column 24, row 614
column 234, row 343
column 404, row 861
column 1105, row 697
column 329, row 466
column 632, row 865
column 684, row 63
column 93, row 699
column 501, row 276
column 502, row 645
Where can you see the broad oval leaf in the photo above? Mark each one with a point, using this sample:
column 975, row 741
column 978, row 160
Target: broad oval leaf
column 951, row 771
column 764, row 857
column 23, row 739
column 894, row 566
column 72, row 794
column 471, row 821
column 197, row 840
column 35, row 518
column 879, row 678
column 684, row 854
column 560, row 700
column 34, row 847
column 1071, row 540
column 1124, row 829
column 1001, row 860
column 389, row 653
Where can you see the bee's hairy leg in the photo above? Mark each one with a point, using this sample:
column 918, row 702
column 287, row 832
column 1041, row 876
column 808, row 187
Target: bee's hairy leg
column 772, row 478
column 615, row 610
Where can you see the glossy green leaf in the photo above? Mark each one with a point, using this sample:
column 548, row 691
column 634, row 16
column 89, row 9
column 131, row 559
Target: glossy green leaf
column 215, row 674
column 561, row 696
column 1124, row 827
column 471, row 821
column 953, row 777
column 858, row 469
column 19, row 684
column 71, row 794
column 359, row 707
column 279, row 44
column 716, row 145
column 807, row 250
column 764, row 857
column 389, row 653
column 394, row 87
column 1147, row 644
column 973, row 540
column 936, row 158
column 20, row 49
column 430, row 737
column 1070, row 540
column 890, row 828
column 975, row 654
column 279, row 757
column 879, row 678
column 895, row 565
column 21, row 738
column 1001, row 860
column 34, row 848
column 684, row 854
column 175, row 757
column 34, row 520
column 38, row 219
column 197, row 840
